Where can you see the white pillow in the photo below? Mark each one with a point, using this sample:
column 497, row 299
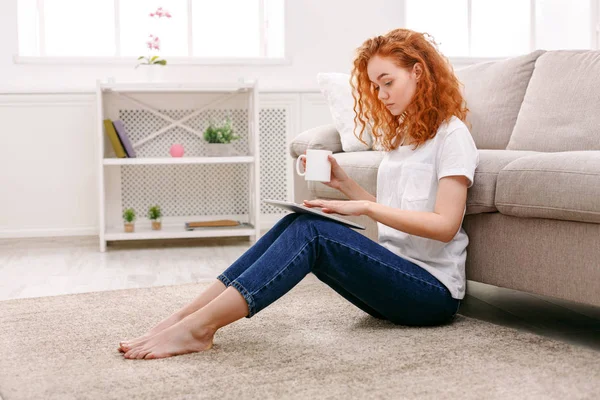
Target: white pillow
column 338, row 92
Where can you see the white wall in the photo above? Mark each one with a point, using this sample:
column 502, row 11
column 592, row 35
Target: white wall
column 321, row 36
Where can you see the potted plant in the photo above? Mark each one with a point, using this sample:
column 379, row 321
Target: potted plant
column 129, row 217
column 153, row 64
column 219, row 139
column 155, row 215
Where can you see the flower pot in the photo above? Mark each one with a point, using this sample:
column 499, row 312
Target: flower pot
column 220, row 149
column 156, row 225
column 152, row 72
column 129, row 226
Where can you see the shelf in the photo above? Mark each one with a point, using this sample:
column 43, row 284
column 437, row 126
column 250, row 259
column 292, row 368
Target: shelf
column 179, row 160
column 155, row 98
column 173, row 231
column 177, row 87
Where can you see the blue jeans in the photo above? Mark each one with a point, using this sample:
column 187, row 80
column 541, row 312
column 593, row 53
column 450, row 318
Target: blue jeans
column 365, row 273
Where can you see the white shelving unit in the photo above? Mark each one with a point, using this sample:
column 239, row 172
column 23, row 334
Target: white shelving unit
column 143, row 105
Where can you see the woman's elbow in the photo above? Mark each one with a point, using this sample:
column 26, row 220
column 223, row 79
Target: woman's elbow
column 449, row 234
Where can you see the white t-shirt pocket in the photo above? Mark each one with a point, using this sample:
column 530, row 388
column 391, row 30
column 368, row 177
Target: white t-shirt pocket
column 418, row 185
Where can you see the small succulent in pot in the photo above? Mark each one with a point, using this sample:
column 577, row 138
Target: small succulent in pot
column 129, row 218
column 155, row 215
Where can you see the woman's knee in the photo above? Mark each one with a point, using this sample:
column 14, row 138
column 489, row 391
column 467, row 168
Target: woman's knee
column 292, row 216
column 308, row 220
column 313, row 219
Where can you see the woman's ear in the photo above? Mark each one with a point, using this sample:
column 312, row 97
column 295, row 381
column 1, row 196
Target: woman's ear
column 417, row 71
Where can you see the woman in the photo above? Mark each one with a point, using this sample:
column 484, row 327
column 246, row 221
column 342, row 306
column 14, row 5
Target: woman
column 414, row 274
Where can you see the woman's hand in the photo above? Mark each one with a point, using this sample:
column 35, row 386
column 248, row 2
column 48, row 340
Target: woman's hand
column 338, row 176
column 342, row 207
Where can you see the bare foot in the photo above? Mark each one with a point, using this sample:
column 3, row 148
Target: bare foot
column 175, row 340
column 125, row 345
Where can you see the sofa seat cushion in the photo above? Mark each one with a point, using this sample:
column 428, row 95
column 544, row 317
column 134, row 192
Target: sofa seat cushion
column 361, row 166
column 563, row 185
column 481, row 197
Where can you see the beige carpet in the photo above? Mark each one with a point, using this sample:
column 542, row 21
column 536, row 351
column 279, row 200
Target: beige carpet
column 311, row 343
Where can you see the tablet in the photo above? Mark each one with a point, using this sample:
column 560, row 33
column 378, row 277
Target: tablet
column 302, row 209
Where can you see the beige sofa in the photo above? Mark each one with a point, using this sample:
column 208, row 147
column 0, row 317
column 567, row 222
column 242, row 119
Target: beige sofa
column 533, row 213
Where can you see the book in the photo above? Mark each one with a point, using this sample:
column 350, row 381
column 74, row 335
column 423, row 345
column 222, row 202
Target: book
column 211, row 224
column 124, row 138
column 114, row 139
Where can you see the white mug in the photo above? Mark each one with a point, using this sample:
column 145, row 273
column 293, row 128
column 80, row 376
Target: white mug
column 318, row 167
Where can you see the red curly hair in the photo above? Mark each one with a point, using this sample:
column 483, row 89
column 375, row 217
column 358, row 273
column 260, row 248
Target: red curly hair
column 436, row 100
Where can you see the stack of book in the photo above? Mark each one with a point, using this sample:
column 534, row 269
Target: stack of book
column 116, row 132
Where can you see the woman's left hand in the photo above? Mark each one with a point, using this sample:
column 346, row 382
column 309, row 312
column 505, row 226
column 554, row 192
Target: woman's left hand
column 342, row 207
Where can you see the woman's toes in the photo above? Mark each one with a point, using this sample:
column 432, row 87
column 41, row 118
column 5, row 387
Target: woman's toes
column 124, row 349
column 133, row 345
column 137, row 355
column 143, row 353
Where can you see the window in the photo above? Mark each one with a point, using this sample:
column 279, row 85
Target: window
column 121, row 28
column 494, row 28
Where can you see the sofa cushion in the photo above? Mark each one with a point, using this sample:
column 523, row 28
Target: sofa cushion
column 361, row 166
column 324, row 137
column 560, row 109
column 494, row 92
column 337, row 90
column 482, row 195
column 564, row 185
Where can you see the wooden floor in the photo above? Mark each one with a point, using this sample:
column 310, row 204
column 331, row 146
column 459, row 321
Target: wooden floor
column 37, row 267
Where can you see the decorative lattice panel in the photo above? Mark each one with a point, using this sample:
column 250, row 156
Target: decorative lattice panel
column 273, row 158
column 203, row 189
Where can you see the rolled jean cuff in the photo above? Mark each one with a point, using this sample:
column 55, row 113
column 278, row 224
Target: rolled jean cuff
column 224, row 280
column 247, row 296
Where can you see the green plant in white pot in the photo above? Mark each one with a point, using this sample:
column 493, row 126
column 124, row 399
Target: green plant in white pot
column 129, row 218
column 155, row 215
column 219, row 139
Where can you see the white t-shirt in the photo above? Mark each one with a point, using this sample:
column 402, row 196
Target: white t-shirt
column 408, row 179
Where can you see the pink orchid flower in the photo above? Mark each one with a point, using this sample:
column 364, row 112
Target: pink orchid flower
column 153, row 43
column 161, row 13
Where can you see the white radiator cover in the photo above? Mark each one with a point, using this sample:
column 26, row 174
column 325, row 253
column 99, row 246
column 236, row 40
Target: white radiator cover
column 204, row 189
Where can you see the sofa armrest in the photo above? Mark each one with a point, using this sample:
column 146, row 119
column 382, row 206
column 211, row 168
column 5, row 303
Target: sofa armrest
column 324, row 137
